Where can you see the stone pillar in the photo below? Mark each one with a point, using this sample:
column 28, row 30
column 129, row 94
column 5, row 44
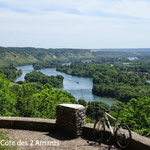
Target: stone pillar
column 70, row 118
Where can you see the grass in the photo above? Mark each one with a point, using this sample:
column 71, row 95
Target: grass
column 4, row 136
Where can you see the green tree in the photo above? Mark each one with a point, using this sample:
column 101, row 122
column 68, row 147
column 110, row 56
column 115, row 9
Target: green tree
column 137, row 116
column 82, row 102
column 7, row 98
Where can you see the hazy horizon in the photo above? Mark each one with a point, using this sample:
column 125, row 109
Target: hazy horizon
column 76, row 48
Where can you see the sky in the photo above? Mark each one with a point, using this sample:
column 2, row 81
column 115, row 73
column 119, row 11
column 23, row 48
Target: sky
column 75, row 23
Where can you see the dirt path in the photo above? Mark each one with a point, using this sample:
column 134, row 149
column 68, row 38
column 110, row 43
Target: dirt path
column 33, row 140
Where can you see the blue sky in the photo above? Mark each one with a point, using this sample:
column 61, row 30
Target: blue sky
column 75, row 23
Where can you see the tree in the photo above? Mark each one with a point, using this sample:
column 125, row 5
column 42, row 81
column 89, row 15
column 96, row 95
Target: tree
column 82, row 102
column 7, row 98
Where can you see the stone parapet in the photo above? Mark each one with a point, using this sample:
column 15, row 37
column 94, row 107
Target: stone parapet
column 35, row 124
column 138, row 142
column 70, row 119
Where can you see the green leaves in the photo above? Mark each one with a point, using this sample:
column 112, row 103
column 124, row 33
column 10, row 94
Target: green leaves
column 44, row 103
column 31, row 103
column 91, row 111
column 7, row 98
column 137, row 116
column 28, row 101
column 55, row 81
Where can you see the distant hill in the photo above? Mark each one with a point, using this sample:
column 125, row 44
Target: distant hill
column 30, row 55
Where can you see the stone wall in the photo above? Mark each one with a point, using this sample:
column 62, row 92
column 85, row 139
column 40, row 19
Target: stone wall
column 138, row 142
column 70, row 119
column 36, row 124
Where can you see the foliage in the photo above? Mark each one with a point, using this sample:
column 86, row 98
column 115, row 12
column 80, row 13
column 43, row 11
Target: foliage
column 114, row 75
column 11, row 72
column 55, row 81
column 111, row 81
column 30, row 55
column 47, row 64
column 31, row 103
column 136, row 114
column 82, row 102
column 7, row 98
column 91, row 112
column 31, row 100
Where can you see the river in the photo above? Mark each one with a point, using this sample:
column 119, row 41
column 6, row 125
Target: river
column 79, row 87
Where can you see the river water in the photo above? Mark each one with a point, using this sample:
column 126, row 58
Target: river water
column 79, row 87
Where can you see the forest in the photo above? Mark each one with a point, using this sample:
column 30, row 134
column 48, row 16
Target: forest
column 113, row 74
column 11, row 72
column 111, row 81
column 30, row 55
column 30, row 99
column 54, row 81
column 34, row 100
column 47, row 64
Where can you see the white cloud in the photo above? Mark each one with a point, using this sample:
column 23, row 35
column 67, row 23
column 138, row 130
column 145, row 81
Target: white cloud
column 132, row 8
column 75, row 23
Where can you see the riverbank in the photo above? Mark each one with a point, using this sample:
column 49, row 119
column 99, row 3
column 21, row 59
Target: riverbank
column 79, row 87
